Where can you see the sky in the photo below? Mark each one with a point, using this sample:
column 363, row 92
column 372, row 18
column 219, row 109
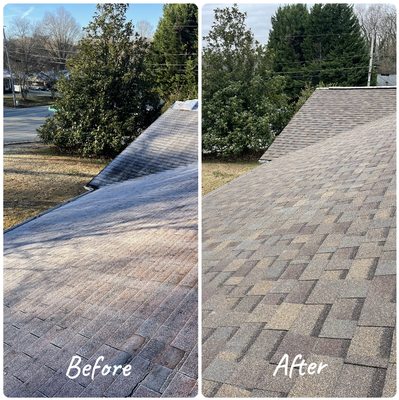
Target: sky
column 82, row 13
column 258, row 18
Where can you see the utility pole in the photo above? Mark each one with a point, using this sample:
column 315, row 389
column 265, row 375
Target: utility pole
column 371, row 59
column 9, row 68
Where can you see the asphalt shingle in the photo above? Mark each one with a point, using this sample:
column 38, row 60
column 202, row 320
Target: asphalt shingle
column 331, row 111
column 112, row 273
column 170, row 142
column 317, row 226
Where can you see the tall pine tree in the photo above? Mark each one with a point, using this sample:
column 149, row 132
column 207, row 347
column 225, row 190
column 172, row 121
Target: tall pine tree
column 284, row 46
column 334, row 48
column 321, row 46
column 175, row 53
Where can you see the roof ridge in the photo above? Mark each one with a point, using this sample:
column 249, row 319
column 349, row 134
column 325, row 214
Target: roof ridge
column 335, row 137
column 330, row 111
column 170, row 141
column 297, row 152
column 355, row 87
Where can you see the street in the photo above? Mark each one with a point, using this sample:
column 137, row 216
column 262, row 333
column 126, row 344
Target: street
column 20, row 124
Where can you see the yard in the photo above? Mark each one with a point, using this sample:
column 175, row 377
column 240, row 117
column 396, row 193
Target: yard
column 216, row 173
column 34, row 99
column 37, row 177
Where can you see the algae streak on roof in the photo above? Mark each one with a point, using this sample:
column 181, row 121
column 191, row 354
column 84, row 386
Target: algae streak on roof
column 299, row 258
column 330, row 111
column 171, row 141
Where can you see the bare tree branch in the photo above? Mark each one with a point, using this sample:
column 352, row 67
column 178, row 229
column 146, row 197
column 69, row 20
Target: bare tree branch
column 379, row 20
column 23, row 48
column 145, row 29
column 60, row 33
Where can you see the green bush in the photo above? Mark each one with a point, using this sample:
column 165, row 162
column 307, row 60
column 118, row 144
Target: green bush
column 243, row 104
column 108, row 98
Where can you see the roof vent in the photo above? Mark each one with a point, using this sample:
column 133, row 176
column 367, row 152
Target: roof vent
column 187, row 105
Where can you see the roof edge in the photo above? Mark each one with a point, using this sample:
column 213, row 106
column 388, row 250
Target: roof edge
column 263, row 160
column 190, row 167
column 355, row 87
column 63, row 203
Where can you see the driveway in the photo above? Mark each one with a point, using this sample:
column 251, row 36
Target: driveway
column 20, row 124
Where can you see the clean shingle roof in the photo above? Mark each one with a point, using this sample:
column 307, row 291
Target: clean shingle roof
column 171, row 141
column 330, row 111
column 299, row 258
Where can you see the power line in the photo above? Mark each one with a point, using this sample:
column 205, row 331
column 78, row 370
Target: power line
column 312, row 63
column 188, row 26
column 57, row 49
column 77, row 51
column 321, row 70
column 302, row 72
column 9, row 68
column 306, row 64
column 318, row 34
column 42, row 56
column 19, row 54
column 172, row 65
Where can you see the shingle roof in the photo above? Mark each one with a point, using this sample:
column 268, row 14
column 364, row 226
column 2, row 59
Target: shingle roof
column 171, row 141
column 112, row 273
column 299, row 258
column 330, row 111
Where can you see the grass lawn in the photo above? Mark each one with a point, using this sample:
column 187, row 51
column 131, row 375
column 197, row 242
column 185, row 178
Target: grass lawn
column 36, row 178
column 31, row 101
column 216, row 173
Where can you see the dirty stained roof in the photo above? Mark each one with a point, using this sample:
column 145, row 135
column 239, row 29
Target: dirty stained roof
column 171, row 141
column 299, row 258
column 330, row 111
column 112, row 273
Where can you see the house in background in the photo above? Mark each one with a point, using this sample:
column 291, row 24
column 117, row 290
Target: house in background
column 386, row 80
column 35, row 81
column 39, row 81
column 7, row 82
column 45, row 80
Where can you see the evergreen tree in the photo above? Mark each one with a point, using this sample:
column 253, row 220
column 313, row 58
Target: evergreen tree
column 284, row 46
column 323, row 46
column 108, row 99
column 243, row 106
column 175, row 53
column 334, row 48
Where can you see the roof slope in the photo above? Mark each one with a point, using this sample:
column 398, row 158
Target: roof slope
column 299, row 258
column 112, row 273
column 330, row 111
column 171, row 141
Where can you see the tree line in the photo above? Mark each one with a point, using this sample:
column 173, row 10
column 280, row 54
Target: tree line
column 42, row 46
column 250, row 90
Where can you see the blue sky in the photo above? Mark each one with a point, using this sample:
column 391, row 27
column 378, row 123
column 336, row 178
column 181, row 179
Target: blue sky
column 258, row 17
column 81, row 12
